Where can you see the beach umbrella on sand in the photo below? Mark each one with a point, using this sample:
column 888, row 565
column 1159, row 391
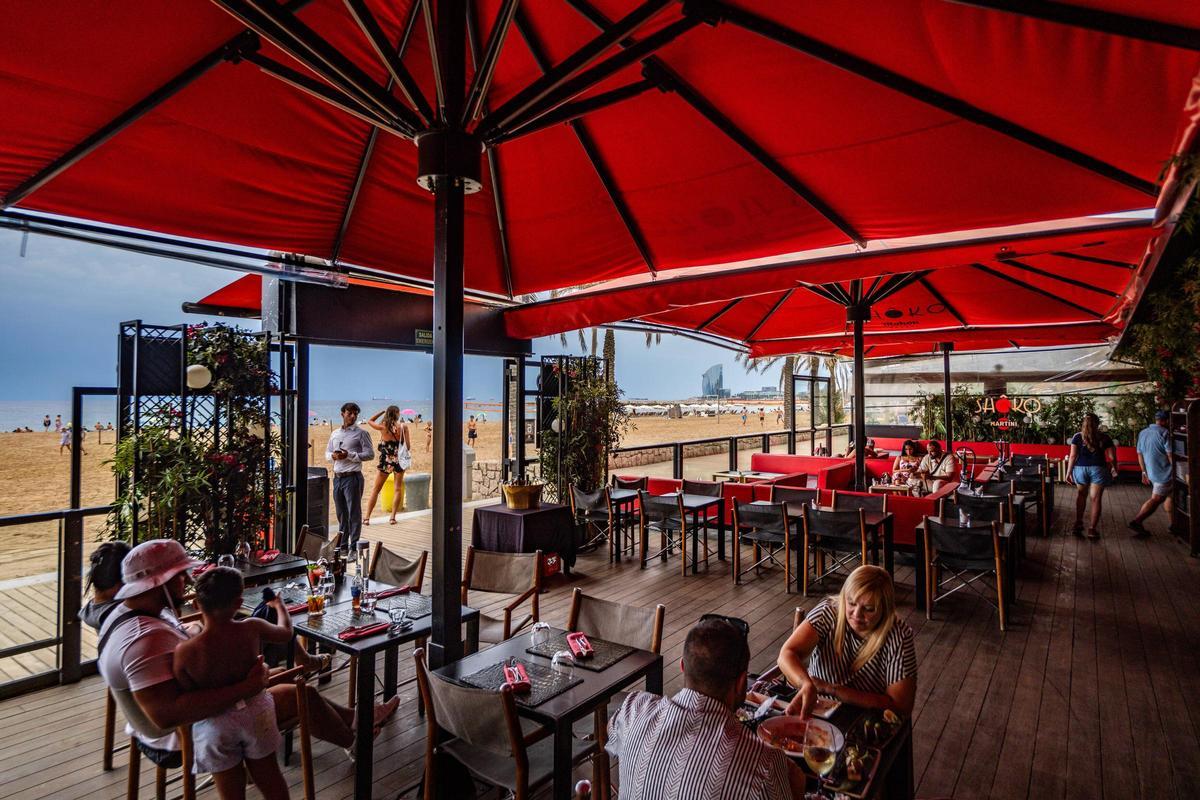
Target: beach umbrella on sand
column 568, row 142
column 408, row 412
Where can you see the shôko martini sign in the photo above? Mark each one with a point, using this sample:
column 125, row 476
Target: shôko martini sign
column 1005, row 405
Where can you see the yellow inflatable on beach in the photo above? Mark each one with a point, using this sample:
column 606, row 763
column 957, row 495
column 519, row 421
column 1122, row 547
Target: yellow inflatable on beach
column 385, row 495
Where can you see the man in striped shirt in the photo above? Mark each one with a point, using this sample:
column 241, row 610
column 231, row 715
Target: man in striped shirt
column 691, row 746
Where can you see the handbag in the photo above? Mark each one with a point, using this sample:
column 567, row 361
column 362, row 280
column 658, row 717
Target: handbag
column 403, row 457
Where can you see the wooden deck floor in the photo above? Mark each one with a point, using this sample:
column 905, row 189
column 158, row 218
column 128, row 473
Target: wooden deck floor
column 1091, row 693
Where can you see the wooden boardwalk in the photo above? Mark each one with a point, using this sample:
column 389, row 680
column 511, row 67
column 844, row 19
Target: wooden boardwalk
column 1091, row 693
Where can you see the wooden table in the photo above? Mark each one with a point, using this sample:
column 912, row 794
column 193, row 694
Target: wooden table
column 745, row 475
column 284, row 565
column 366, row 649
column 1008, row 532
column 560, row 712
column 890, row 488
column 694, row 504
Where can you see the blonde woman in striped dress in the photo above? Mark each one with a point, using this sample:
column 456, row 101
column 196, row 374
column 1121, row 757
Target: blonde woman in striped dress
column 853, row 647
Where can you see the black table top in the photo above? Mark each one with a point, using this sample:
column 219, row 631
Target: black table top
column 623, row 495
column 314, row 629
column 595, row 689
column 695, row 502
column 284, row 564
column 1006, row 529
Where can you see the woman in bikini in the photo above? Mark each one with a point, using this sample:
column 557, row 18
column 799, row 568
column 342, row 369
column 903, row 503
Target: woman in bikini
column 394, row 457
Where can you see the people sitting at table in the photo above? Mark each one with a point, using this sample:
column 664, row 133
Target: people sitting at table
column 906, row 464
column 691, row 745
column 243, row 738
column 937, row 468
column 136, row 650
column 853, row 647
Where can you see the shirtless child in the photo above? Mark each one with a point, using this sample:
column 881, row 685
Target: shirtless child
column 219, row 656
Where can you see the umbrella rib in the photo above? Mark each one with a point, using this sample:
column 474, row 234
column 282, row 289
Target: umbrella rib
column 554, row 77
column 1036, row 290
column 569, row 111
column 1108, row 262
column 482, row 80
column 823, row 293
column 769, row 314
column 928, row 95
column 671, row 81
column 435, row 62
column 392, row 62
column 231, row 49
column 348, row 211
column 901, row 282
column 493, row 166
column 928, row 284
column 1096, row 20
column 1012, row 262
column 284, row 29
column 592, row 154
column 313, row 87
column 602, row 71
column 727, row 307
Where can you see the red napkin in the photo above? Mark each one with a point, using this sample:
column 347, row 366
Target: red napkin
column 266, row 556
column 361, row 631
column 297, row 608
column 200, row 570
column 393, row 592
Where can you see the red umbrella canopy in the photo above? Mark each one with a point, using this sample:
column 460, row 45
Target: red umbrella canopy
column 1040, row 299
column 621, row 136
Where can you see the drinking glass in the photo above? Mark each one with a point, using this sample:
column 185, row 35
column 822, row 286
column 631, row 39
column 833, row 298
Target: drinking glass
column 563, row 662
column 818, row 751
column 369, row 599
column 226, row 560
column 398, row 615
column 540, row 635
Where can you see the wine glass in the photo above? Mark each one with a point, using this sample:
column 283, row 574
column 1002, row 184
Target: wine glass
column 398, row 616
column 563, row 662
column 226, row 560
column 819, row 753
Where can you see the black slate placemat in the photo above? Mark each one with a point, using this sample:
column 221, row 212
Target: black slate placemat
column 606, row 653
column 545, row 682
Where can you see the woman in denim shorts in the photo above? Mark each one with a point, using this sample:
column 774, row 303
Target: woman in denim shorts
column 1093, row 466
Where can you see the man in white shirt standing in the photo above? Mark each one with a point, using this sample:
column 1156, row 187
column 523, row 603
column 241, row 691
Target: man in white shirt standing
column 349, row 446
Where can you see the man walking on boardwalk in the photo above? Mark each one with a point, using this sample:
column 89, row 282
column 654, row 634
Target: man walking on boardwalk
column 1154, row 455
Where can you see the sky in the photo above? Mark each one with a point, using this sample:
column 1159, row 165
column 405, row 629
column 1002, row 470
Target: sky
column 61, row 302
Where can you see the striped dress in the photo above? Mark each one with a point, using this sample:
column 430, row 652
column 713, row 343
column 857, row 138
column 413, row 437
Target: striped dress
column 894, row 662
column 691, row 747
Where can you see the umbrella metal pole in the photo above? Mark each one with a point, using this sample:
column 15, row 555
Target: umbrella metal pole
column 858, row 314
column 946, row 348
column 448, row 162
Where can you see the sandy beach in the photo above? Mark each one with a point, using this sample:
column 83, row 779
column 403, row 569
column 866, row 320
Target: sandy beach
column 35, row 477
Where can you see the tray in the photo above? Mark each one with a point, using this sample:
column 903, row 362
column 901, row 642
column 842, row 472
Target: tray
column 545, row 682
column 858, row 790
column 855, row 733
column 605, row 653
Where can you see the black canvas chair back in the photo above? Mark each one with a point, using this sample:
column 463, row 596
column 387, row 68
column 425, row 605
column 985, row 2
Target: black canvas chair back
column 765, row 519
column 1026, row 461
column 792, row 494
column 960, row 548
column 835, row 530
column 706, row 488
column 847, row 502
column 997, row 489
column 630, row 483
column 314, row 546
column 985, row 508
column 583, row 502
column 659, row 511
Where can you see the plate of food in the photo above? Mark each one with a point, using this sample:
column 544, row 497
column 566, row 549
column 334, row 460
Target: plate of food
column 787, row 733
